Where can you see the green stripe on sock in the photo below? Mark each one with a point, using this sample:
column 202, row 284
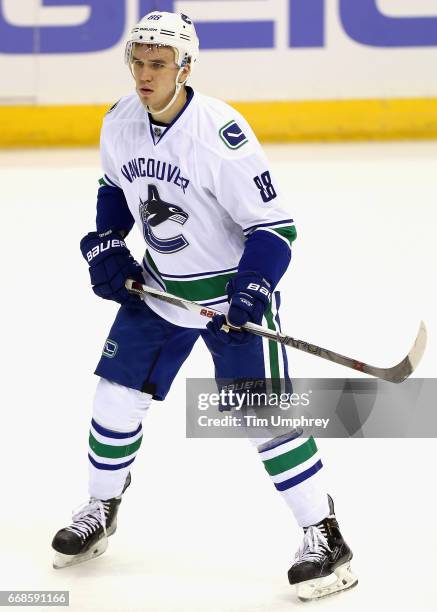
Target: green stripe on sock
column 113, row 452
column 289, row 460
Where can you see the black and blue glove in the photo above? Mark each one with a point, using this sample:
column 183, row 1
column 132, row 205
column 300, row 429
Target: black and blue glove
column 111, row 264
column 249, row 295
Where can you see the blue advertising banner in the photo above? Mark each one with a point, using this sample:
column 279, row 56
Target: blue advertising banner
column 361, row 20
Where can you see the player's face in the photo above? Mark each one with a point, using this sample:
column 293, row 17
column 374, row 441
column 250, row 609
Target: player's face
column 155, row 70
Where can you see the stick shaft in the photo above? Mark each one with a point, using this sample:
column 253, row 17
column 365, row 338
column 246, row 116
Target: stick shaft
column 395, row 374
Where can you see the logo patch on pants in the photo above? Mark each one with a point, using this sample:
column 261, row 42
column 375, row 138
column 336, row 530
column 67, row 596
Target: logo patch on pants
column 110, row 349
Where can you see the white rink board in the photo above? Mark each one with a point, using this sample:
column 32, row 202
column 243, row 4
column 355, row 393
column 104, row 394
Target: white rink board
column 341, row 69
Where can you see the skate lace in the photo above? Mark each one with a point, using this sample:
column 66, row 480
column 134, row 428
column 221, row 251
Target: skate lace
column 89, row 517
column 314, row 546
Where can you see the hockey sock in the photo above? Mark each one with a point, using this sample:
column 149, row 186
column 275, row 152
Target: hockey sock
column 115, row 436
column 295, row 468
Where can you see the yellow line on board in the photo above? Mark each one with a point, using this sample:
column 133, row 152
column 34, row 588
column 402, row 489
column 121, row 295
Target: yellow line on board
column 50, row 126
column 288, row 121
column 342, row 120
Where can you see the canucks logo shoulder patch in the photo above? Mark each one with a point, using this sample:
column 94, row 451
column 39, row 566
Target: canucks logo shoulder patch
column 232, row 135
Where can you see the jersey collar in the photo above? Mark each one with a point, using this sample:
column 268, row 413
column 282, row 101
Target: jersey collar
column 179, row 119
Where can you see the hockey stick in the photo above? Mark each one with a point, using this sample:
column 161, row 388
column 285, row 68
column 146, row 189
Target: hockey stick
column 396, row 374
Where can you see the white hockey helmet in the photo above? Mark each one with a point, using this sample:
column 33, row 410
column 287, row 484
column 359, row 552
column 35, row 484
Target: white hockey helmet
column 167, row 29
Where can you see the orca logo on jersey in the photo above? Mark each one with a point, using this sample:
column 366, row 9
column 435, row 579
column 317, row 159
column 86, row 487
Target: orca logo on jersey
column 155, row 211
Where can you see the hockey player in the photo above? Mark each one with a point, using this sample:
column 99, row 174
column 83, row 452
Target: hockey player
column 189, row 172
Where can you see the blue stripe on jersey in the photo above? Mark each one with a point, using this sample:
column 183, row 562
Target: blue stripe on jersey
column 118, row 435
column 110, row 182
column 270, row 224
column 222, row 301
column 107, row 466
column 153, row 275
column 292, row 482
column 212, row 273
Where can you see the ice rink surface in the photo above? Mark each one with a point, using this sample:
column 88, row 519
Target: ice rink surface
column 202, row 528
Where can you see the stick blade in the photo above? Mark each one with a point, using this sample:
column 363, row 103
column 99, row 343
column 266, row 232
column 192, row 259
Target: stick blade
column 406, row 367
column 416, row 353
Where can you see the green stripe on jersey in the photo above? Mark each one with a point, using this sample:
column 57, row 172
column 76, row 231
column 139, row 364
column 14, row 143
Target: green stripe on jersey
column 113, row 452
column 202, row 289
column 292, row 458
column 199, row 290
column 153, row 265
column 289, row 232
column 103, row 183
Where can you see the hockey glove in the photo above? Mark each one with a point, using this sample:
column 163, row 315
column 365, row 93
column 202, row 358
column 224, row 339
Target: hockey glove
column 111, row 264
column 249, row 296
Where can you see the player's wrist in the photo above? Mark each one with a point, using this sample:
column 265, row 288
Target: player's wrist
column 97, row 246
column 251, row 284
column 110, row 265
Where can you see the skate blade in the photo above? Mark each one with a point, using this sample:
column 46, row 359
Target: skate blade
column 60, row 561
column 341, row 580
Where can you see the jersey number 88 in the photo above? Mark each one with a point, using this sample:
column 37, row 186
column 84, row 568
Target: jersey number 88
column 264, row 184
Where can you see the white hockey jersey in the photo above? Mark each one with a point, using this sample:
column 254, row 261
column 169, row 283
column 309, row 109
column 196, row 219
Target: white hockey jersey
column 195, row 193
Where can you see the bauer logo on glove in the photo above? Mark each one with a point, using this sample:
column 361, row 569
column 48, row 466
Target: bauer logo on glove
column 261, row 288
column 249, row 296
column 102, row 247
column 110, row 265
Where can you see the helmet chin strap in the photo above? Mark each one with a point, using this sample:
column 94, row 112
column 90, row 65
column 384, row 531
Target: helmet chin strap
column 172, row 101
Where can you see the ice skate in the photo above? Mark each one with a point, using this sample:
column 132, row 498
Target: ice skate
column 87, row 536
column 322, row 563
